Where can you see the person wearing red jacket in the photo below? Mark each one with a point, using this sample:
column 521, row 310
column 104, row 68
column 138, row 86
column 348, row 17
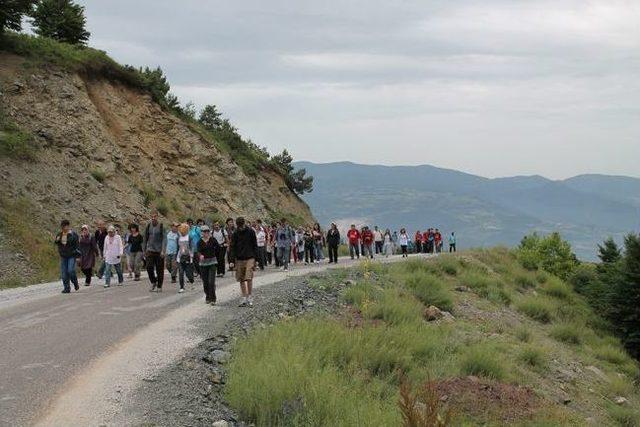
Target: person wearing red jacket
column 367, row 242
column 353, row 236
column 418, row 241
column 425, row 240
column 438, row 240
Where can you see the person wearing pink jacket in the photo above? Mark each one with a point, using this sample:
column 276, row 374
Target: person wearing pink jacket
column 113, row 251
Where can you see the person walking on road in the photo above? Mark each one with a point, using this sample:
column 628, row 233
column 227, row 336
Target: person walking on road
column 261, row 237
column 309, row 247
column 89, row 251
column 378, row 239
column 184, row 255
column 230, row 228
column 244, row 247
column 388, row 243
column 353, row 235
column 208, row 250
column 136, row 253
column 403, row 240
column 195, row 233
column 221, row 237
column 418, row 242
column 318, row 242
column 367, row 242
column 452, row 242
column 333, row 241
column 113, row 251
column 67, row 242
column 171, row 251
column 154, row 244
column 100, row 235
column 284, row 240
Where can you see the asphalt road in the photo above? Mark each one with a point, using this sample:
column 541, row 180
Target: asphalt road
column 47, row 339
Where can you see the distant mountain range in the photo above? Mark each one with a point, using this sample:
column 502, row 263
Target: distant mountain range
column 483, row 212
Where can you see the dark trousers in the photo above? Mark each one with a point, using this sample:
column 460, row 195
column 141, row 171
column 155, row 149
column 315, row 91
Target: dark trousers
column 418, row 246
column 378, row 248
column 269, row 257
column 309, row 252
column 101, row 268
column 354, row 247
column 185, row 267
column 155, row 268
column 452, row 247
column 88, row 272
column 404, row 251
column 208, row 276
column 333, row 253
column 262, row 257
column 222, row 252
column 196, row 263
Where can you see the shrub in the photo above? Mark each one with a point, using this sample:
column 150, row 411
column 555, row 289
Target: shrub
column 568, row 333
column 395, row 309
column 98, row 175
column 448, row 264
column 551, row 253
column 422, row 408
column 360, row 294
column 537, row 309
column 483, row 360
column 430, row 290
column 534, row 357
column 624, row 416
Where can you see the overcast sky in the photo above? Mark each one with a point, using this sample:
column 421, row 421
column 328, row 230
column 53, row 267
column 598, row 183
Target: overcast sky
column 490, row 87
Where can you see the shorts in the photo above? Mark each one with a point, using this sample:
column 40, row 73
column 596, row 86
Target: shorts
column 244, row 269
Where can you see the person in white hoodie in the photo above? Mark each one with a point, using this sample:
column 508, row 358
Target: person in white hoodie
column 113, row 251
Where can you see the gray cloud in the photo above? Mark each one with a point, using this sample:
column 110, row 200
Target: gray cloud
column 492, row 87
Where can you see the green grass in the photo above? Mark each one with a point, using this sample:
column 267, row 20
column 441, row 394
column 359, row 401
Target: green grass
column 533, row 356
column 536, row 308
column 38, row 247
column 11, row 282
column 567, row 333
column 557, row 289
column 15, row 143
column 483, row 360
column 346, row 370
column 430, row 290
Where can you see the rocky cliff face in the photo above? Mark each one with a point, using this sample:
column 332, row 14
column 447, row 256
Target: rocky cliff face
column 105, row 151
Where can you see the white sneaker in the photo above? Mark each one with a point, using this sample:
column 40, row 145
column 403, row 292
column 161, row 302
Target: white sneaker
column 106, row 286
column 181, row 290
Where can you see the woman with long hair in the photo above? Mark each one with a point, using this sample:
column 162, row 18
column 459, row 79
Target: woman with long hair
column 318, row 242
column 333, row 241
column 403, row 240
column 388, row 243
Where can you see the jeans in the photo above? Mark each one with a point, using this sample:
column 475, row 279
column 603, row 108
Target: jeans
column 309, row 253
column 171, row 262
column 319, row 252
column 404, row 251
column 284, row 253
column 155, row 269
column 68, row 272
column 262, row 257
column 185, row 267
column 418, row 246
column 379, row 247
column 107, row 273
column 333, row 253
column 367, row 250
column 136, row 263
column 452, row 247
column 208, row 276
column 102, row 267
column 222, row 252
column 354, row 247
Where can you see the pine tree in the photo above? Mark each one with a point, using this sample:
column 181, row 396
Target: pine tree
column 12, row 12
column 210, row 117
column 62, row 20
column 625, row 313
column 609, row 252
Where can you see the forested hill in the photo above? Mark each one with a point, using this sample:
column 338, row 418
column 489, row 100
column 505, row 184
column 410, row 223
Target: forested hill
column 585, row 209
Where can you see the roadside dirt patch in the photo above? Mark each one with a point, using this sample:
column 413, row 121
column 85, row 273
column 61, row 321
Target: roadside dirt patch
column 487, row 399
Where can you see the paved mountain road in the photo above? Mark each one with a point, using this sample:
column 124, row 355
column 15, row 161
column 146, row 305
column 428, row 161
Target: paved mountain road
column 67, row 359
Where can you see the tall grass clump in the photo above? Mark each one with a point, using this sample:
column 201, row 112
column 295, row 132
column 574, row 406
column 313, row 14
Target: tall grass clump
column 430, row 290
column 448, row 264
column 568, row 333
column 482, row 360
column 533, row 356
column 395, row 308
column 536, row 308
column 557, row 289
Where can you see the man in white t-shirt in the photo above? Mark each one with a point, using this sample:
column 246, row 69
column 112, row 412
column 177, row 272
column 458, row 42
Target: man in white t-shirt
column 378, row 239
column 261, row 237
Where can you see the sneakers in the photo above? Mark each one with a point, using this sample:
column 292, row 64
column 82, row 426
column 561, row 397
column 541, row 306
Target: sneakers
column 250, row 303
column 76, row 287
column 153, row 287
column 211, row 303
column 242, row 304
column 181, row 291
column 66, row 291
column 106, row 286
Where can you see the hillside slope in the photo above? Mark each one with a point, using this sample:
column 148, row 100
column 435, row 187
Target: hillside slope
column 482, row 211
column 102, row 150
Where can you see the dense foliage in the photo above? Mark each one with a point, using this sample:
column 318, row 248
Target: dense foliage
column 550, row 253
column 61, row 20
column 12, row 12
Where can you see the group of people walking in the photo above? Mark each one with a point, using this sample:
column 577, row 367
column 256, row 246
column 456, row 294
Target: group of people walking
column 191, row 249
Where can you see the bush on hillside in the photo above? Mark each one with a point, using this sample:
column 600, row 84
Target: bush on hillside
column 550, row 253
